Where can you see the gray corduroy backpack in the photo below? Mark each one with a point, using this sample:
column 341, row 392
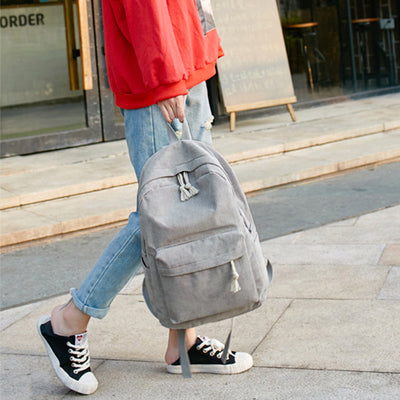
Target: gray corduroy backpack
column 200, row 249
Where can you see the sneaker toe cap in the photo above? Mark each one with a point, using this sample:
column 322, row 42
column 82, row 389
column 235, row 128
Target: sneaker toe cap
column 88, row 383
column 244, row 361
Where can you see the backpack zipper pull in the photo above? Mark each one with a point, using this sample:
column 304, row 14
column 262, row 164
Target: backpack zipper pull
column 186, row 188
column 235, row 287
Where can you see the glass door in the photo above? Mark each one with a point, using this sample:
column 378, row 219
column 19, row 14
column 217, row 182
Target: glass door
column 113, row 122
column 49, row 81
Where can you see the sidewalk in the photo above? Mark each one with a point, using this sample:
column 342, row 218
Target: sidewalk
column 328, row 330
column 330, row 327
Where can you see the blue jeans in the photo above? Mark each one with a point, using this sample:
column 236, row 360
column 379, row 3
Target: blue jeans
column 146, row 132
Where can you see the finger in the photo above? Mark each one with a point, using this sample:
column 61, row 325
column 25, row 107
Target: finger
column 167, row 114
column 173, row 108
column 180, row 109
column 170, row 112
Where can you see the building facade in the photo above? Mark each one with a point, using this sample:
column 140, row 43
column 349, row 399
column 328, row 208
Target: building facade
column 54, row 90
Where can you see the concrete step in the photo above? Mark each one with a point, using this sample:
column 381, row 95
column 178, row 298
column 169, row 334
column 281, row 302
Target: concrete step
column 55, row 175
column 113, row 205
column 318, row 161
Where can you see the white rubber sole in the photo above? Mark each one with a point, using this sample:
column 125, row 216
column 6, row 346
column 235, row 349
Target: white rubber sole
column 86, row 385
column 244, row 362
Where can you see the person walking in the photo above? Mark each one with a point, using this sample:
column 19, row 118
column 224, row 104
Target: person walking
column 159, row 53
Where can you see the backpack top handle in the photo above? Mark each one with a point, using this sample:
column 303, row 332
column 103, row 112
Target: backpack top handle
column 179, row 131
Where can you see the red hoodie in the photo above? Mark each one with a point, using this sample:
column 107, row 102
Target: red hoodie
column 157, row 49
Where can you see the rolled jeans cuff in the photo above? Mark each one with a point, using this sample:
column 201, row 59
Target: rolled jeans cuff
column 98, row 313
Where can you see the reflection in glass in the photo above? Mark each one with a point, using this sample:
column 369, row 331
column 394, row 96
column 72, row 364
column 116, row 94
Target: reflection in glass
column 337, row 47
column 36, row 97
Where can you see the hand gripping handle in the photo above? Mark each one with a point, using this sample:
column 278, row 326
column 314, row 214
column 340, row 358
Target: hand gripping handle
column 179, row 131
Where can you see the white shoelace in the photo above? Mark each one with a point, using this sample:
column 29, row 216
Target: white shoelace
column 213, row 345
column 79, row 357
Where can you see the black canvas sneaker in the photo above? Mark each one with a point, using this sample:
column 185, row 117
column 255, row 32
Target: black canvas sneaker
column 69, row 357
column 206, row 356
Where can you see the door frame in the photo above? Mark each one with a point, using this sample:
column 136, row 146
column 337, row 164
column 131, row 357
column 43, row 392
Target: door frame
column 112, row 129
column 92, row 133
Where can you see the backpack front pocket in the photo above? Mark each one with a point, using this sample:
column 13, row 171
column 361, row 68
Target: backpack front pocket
column 206, row 277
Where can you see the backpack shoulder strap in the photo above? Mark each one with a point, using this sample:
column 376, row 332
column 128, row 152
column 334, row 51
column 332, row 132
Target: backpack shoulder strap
column 183, row 354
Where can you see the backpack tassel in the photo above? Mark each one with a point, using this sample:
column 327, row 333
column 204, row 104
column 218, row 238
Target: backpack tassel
column 186, row 188
column 235, row 287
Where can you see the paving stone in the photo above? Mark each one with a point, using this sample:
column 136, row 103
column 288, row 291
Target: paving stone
column 382, row 226
column 391, row 287
column 285, row 239
column 327, row 281
column 134, row 286
column 25, row 377
column 130, row 331
column 8, row 317
column 343, row 320
column 119, row 337
column 21, row 337
column 356, row 335
column 148, row 381
column 391, row 254
column 386, row 217
column 357, row 234
column 325, row 254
